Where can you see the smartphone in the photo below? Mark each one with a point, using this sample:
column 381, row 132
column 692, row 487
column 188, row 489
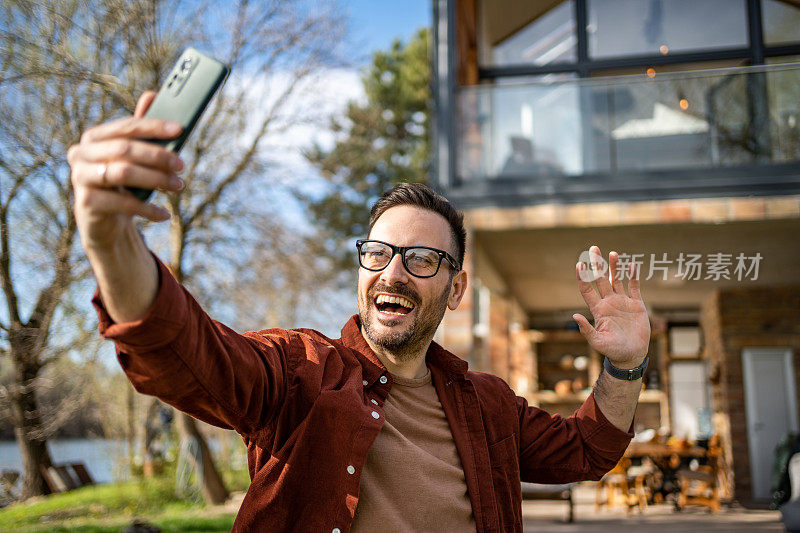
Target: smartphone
column 192, row 83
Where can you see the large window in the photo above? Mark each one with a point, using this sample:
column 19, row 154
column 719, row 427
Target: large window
column 619, row 28
column 584, row 36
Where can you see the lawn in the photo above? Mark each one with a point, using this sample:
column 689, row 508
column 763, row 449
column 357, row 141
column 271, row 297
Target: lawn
column 107, row 508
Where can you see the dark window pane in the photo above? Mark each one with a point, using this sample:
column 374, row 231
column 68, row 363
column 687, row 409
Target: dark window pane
column 781, row 21
column 619, row 28
column 548, row 38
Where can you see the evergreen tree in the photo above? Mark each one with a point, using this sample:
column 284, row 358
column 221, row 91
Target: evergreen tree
column 384, row 141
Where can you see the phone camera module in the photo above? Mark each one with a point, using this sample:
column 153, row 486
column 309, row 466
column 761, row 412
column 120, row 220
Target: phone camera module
column 186, row 65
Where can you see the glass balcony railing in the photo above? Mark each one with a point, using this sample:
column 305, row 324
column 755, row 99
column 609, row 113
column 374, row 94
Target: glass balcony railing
column 629, row 125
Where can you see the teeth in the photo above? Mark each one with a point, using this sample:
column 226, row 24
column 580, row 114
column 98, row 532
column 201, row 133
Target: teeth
column 397, row 300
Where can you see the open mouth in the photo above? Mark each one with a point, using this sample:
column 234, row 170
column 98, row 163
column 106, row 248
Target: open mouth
column 393, row 305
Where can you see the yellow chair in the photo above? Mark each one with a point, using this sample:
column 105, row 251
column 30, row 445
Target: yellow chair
column 614, row 489
column 702, row 486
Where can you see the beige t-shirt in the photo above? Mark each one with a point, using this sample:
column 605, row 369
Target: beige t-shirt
column 413, row 479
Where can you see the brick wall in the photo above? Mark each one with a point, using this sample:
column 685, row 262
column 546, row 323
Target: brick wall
column 733, row 320
column 498, row 339
column 503, row 349
column 455, row 332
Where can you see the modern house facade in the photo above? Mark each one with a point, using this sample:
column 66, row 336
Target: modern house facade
column 667, row 130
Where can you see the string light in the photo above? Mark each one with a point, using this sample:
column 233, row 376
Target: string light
column 651, row 72
column 664, row 49
column 684, row 103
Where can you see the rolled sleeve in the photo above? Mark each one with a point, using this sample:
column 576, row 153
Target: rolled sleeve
column 605, row 438
column 583, row 446
column 161, row 324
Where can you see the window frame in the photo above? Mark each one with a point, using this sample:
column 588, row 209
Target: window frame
column 755, row 53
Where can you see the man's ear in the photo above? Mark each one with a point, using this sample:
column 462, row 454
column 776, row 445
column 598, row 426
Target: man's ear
column 458, row 287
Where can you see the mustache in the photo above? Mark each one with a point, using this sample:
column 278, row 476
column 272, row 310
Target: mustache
column 399, row 289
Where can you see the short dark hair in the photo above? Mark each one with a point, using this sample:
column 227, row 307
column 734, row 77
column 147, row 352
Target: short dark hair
column 422, row 196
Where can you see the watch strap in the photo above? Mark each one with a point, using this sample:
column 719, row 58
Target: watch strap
column 631, row 374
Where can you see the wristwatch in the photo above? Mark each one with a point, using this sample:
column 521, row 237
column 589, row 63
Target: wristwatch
column 628, row 375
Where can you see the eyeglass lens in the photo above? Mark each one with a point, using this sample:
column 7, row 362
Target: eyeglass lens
column 418, row 261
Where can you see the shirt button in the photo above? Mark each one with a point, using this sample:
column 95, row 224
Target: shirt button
column 365, row 382
column 375, row 414
column 384, row 379
column 374, row 401
column 336, row 530
column 351, row 469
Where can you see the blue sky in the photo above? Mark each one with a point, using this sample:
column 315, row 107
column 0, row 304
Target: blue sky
column 376, row 23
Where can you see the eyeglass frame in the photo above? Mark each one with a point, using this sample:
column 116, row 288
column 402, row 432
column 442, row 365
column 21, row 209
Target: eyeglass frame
column 402, row 251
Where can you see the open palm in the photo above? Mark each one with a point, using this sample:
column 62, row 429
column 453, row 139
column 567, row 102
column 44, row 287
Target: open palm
column 621, row 328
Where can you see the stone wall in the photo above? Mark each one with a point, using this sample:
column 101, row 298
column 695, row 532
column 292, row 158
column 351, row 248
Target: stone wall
column 731, row 321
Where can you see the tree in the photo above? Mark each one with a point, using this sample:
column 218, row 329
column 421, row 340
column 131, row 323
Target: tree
column 69, row 64
column 44, row 98
column 381, row 142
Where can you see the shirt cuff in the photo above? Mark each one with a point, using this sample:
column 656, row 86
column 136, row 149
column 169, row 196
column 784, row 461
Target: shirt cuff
column 604, row 435
column 158, row 327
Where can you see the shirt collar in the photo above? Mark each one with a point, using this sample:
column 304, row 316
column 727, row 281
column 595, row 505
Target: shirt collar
column 436, row 357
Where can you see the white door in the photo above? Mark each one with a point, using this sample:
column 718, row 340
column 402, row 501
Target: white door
column 771, row 406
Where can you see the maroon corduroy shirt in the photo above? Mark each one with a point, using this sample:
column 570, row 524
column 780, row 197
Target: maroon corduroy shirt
column 309, row 408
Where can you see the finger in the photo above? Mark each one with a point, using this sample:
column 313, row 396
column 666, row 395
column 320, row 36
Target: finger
column 633, row 284
column 113, row 202
column 603, row 284
column 133, row 127
column 587, row 330
column 122, row 173
column 143, row 104
column 614, row 275
column 585, row 275
column 141, row 153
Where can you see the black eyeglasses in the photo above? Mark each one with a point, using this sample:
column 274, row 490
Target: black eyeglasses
column 419, row 261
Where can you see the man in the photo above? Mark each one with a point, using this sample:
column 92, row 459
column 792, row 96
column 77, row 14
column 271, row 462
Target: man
column 381, row 429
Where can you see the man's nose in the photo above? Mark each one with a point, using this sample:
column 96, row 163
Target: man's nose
column 395, row 271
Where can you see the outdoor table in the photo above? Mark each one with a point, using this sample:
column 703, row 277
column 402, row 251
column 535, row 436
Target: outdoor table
column 668, row 459
column 639, row 450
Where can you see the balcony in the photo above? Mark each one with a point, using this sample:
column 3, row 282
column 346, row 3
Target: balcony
column 721, row 132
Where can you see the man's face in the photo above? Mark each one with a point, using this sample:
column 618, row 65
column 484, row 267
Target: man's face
column 399, row 328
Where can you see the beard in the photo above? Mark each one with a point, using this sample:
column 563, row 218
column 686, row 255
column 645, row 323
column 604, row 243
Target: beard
column 404, row 344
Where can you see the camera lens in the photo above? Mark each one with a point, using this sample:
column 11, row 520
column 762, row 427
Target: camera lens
column 187, row 63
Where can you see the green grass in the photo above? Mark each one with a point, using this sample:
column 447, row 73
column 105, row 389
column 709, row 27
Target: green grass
column 106, row 508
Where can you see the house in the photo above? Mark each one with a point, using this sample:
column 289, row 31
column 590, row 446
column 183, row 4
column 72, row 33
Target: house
column 667, row 130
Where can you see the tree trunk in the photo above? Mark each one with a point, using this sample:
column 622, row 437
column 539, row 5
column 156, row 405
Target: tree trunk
column 150, row 466
column 208, row 477
column 131, row 428
column 211, row 485
column 29, row 435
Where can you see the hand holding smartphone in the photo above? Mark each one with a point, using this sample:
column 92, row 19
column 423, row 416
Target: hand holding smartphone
column 189, row 88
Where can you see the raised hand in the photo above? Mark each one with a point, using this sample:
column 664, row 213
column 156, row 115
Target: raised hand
column 621, row 328
column 108, row 158
column 112, row 155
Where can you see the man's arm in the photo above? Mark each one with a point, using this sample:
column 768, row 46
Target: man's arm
column 617, row 399
column 581, row 447
column 109, row 157
column 166, row 344
column 621, row 332
column 178, row 353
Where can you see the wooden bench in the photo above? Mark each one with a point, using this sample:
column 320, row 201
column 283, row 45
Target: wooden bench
column 61, row 478
column 540, row 491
